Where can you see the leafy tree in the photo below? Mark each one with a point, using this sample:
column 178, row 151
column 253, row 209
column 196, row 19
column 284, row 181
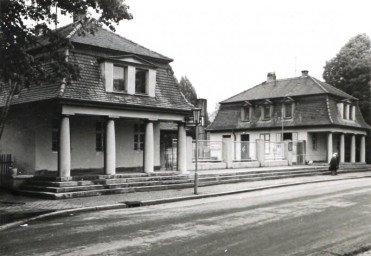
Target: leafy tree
column 188, row 90
column 25, row 26
column 214, row 113
column 350, row 71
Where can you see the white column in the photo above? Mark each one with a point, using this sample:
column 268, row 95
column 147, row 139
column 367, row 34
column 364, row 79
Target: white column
column 260, row 151
column 353, row 149
column 363, row 149
column 64, row 153
column 329, row 147
column 342, row 148
column 148, row 148
column 182, row 148
column 110, row 150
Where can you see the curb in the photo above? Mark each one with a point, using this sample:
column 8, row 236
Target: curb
column 164, row 201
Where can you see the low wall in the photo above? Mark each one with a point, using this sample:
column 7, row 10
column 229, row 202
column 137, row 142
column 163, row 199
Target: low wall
column 238, row 165
column 208, row 166
column 272, row 163
column 14, row 182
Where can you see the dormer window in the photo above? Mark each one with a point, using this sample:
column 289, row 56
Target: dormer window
column 140, row 80
column 352, row 113
column 287, row 110
column 266, row 110
column 246, row 112
column 119, row 79
column 347, row 110
column 130, row 74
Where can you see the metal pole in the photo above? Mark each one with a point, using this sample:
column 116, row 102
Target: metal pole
column 282, row 121
column 196, row 174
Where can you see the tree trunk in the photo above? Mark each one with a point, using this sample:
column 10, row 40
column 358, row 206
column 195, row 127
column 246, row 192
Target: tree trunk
column 5, row 110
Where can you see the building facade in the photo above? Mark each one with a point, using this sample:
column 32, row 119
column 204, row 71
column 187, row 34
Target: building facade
column 108, row 120
column 316, row 117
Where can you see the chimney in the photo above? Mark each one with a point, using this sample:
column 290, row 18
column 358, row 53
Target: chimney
column 271, row 76
column 304, row 73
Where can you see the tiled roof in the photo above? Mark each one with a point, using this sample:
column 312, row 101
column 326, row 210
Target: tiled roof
column 90, row 86
column 105, row 39
column 338, row 120
column 309, row 111
column 297, row 86
column 108, row 40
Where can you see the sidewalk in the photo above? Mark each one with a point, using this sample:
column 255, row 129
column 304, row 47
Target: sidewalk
column 16, row 205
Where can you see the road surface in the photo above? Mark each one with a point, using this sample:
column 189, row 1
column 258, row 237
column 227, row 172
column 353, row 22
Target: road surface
column 331, row 218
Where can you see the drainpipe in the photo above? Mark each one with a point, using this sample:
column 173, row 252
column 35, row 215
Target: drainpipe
column 234, row 144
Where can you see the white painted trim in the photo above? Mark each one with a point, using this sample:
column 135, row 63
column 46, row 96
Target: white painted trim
column 73, row 110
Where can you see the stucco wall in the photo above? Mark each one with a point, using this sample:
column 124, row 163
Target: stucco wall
column 83, row 151
column 46, row 159
column 319, row 154
column 19, row 139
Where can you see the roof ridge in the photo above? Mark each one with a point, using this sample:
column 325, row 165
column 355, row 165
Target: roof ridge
column 316, row 82
column 328, row 110
column 337, row 89
column 224, row 101
column 362, row 118
column 265, row 82
column 120, row 36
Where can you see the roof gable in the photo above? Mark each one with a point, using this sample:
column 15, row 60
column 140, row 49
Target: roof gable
column 130, row 59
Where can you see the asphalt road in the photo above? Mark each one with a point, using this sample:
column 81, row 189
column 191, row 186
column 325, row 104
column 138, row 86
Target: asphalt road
column 332, row 218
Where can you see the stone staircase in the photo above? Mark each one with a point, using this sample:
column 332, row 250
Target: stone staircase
column 94, row 185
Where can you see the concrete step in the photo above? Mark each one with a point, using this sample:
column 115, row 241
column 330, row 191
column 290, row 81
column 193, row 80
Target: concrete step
column 58, row 183
column 61, row 189
column 112, row 184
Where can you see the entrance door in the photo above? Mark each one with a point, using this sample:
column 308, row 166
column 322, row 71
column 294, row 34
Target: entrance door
column 245, row 147
column 300, row 152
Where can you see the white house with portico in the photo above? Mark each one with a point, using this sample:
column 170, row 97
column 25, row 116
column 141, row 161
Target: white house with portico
column 107, row 121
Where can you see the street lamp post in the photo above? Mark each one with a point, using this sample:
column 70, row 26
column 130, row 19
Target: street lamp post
column 196, row 121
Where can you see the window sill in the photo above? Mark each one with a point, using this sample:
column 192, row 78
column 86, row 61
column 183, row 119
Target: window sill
column 141, row 94
column 348, row 120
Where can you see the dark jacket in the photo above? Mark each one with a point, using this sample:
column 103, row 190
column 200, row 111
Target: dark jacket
column 334, row 163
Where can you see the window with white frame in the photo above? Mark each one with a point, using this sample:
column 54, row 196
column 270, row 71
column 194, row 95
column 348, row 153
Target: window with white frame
column 314, row 142
column 352, row 112
column 99, row 136
column 129, row 74
column 119, row 79
column 138, row 136
column 55, row 135
column 348, row 111
column 345, row 111
column 287, row 110
column 266, row 137
column 266, row 112
column 245, row 113
column 140, row 80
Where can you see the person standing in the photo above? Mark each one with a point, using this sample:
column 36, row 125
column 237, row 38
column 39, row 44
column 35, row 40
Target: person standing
column 334, row 164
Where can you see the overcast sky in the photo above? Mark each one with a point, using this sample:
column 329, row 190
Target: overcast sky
column 226, row 47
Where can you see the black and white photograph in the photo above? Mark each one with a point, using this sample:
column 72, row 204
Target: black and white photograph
column 184, row 127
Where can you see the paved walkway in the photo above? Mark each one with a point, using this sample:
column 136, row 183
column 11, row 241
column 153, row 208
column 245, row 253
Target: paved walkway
column 13, row 204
